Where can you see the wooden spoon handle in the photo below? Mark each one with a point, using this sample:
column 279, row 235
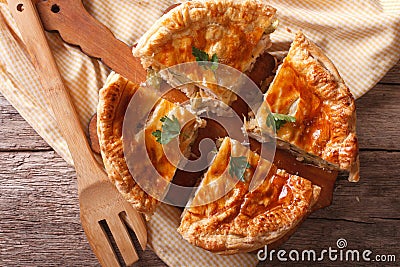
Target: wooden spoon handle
column 77, row 27
column 32, row 32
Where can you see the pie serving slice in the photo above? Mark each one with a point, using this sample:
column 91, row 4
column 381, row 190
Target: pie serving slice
column 235, row 32
column 308, row 87
column 114, row 100
column 242, row 219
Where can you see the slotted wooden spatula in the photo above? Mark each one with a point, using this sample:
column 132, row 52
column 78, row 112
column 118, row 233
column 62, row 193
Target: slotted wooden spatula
column 99, row 199
column 77, row 27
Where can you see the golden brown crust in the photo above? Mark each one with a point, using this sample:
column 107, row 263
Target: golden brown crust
column 237, row 31
column 244, row 220
column 309, row 87
column 113, row 101
column 114, row 98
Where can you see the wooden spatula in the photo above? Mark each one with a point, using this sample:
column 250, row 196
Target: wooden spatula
column 77, row 27
column 99, row 199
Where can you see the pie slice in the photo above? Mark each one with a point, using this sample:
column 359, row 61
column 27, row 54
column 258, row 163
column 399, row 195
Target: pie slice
column 236, row 32
column 114, row 100
column 228, row 214
column 308, row 87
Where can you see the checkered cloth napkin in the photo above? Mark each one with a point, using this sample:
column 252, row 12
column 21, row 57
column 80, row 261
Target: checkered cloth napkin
column 361, row 38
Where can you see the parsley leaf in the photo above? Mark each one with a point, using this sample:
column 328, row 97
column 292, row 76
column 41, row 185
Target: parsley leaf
column 279, row 119
column 203, row 56
column 199, row 54
column 237, row 167
column 170, row 130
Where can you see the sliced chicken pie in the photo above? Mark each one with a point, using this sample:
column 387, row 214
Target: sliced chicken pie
column 314, row 110
column 231, row 214
column 147, row 136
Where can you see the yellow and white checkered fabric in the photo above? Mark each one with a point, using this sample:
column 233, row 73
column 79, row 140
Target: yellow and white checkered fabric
column 361, row 37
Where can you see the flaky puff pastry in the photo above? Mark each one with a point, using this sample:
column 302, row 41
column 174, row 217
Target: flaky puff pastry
column 247, row 216
column 309, row 87
column 113, row 105
column 237, row 31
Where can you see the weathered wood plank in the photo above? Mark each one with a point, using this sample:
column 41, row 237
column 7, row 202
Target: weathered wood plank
column 381, row 237
column 393, row 76
column 16, row 134
column 39, row 212
column 374, row 196
column 39, row 216
column 377, row 118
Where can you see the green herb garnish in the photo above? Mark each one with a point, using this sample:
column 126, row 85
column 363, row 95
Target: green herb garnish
column 170, row 130
column 237, row 167
column 199, row 54
column 203, row 56
column 279, row 119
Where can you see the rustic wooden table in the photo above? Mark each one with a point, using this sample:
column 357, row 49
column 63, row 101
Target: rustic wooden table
column 39, row 214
